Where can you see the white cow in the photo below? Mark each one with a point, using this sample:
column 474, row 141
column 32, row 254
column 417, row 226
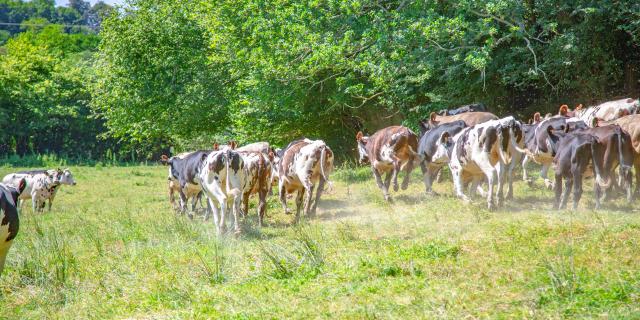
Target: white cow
column 221, row 178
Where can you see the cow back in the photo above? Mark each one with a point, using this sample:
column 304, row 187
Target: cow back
column 469, row 118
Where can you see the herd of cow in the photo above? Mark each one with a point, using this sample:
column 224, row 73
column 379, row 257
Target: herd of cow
column 478, row 147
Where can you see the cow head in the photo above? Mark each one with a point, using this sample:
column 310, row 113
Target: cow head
column 564, row 110
column 443, row 146
column 232, row 144
column 553, row 137
column 67, row 178
column 362, row 147
column 164, row 159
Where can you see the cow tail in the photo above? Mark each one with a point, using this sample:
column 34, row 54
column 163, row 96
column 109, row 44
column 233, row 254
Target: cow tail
column 323, row 156
column 596, row 168
column 260, row 170
column 501, row 151
column 235, row 191
column 623, row 167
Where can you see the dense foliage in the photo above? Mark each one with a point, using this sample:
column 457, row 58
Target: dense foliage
column 184, row 73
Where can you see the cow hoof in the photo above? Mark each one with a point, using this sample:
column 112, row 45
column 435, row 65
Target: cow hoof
column 432, row 193
column 548, row 184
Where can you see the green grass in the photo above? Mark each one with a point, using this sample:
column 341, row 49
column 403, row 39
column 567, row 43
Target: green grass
column 112, row 248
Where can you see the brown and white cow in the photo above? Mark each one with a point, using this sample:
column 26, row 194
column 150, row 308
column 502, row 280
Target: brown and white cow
column 255, row 147
column 389, row 150
column 221, row 178
column 257, row 180
column 469, row 118
column 480, row 153
column 607, row 111
column 304, row 165
column 631, row 125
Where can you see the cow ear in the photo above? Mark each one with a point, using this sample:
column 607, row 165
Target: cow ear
column 550, row 131
column 444, row 137
column 536, row 117
column 424, row 125
column 271, row 156
column 563, row 110
column 578, row 107
column 22, row 185
column 432, row 117
column 216, row 146
column 233, row 144
column 359, row 136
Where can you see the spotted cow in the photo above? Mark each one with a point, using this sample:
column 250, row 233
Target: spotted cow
column 607, row 111
column 257, row 180
column 304, row 166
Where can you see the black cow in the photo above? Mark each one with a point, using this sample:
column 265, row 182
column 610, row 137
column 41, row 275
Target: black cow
column 474, row 107
column 9, row 217
column 572, row 154
column 427, row 147
column 186, row 172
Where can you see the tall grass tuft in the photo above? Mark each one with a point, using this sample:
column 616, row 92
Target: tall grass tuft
column 303, row 255
column 214, row 269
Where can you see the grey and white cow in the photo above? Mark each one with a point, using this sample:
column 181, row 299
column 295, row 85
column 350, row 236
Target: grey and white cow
column 221, row 178
column 42, row 185
column 480, row 153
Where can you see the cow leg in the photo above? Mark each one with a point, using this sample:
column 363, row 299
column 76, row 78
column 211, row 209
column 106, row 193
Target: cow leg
column 636, row 166
column 517, row 158
column 458, row 184
column 381, row 185
column 543, row 173
column 4, row 249
column 558, row 192
column 262, row 205
column 577, row 189
column 34, row 203
column 438, row 175
column 501, row 172
column 490, row 172
column 216, row 215
column 282, row 192
column 394, row 177
column 237, row 202
column 428, row 173
column 307, row 201
column 245, row 204
column 183, row 201
column 407, row 170
column 387, row 183
column 568, row 185
column 299, row 199
column 318, row 194
column 525, row 175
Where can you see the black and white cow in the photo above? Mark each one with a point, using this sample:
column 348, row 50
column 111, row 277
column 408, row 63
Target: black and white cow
column 304, row 166
column 222, row 179
column 480, row 153
column 427, row 147
column 9, row 219
column 184, row 175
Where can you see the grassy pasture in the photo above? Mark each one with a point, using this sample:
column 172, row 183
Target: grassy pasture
column 112, row 248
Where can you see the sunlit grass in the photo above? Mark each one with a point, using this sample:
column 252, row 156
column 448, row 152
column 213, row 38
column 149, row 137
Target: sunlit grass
column 112, row 248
